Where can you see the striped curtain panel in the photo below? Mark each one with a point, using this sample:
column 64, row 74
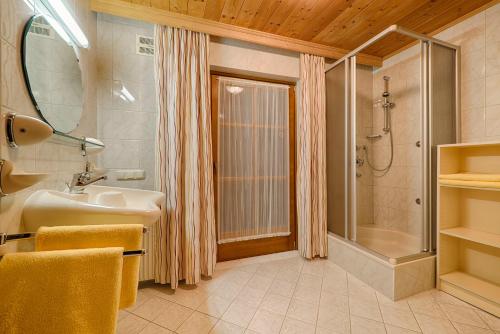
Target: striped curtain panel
column 185, row 245
column 311, row 159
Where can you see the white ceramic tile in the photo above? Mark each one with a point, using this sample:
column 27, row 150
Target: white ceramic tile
column 366, row 326
column 266, row 322
column 364, row 308
column 239, row 313
column 399, row 317
column 434, row 325
column 251, row 296
column 131, row 324
column 173, row 316
column 214, row 306
column 275, row 303
column 293, row 326
column 197, row 323
column 464, row 315
column 492, row 321
column 152, row 308
column 333, row 320
column 152, row 328
column 468, row 329
column 283, row 288
column 303, row 311
column 396, row 330
column 223, row 327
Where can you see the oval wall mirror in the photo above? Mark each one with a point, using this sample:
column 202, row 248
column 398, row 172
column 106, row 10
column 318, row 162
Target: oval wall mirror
column 52, row 73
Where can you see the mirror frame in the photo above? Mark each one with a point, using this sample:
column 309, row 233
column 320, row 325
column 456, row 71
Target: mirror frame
column 26, row 30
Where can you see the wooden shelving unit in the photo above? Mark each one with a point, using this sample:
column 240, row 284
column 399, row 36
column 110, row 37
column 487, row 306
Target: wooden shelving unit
column 468, row 245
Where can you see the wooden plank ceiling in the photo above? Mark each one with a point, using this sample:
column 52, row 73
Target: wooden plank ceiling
column 343, row 24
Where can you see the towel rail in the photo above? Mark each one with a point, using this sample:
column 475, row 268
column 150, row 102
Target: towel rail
column 4, row 238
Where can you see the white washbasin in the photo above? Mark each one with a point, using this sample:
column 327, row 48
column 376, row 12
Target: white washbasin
column 97, row 205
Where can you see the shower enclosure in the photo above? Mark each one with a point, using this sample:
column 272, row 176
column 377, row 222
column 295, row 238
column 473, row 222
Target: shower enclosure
column 383, row 125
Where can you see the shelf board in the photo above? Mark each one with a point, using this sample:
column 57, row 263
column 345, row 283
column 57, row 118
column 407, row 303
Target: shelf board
column 468, row 187
column 472, row 289
column 480, row 237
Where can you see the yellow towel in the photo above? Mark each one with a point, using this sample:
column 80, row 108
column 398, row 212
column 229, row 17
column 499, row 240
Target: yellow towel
column 128, row 236
column 471, row 177
column 472, row 184
column 70, row 291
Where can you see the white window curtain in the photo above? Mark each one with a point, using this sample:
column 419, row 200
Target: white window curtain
column 253, row 171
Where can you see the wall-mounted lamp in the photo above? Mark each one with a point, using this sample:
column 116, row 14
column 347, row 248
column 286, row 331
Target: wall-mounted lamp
column 25, row 130
column 59, row 11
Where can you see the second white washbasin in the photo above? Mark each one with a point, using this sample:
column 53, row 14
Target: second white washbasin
column 97, row 205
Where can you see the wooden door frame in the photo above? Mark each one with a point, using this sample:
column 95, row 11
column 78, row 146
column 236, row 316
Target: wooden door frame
column 248, row 248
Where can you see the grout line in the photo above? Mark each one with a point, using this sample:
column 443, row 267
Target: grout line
column 380, row 310
column 349, row 301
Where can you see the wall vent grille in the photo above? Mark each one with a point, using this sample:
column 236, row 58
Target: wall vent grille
column 145, row 45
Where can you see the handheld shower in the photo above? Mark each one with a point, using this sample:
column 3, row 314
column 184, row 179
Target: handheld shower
column 387, row 106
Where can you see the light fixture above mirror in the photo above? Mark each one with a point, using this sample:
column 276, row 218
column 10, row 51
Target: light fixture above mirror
column 59, row 11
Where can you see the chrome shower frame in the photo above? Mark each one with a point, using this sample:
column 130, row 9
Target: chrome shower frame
column 428, row 180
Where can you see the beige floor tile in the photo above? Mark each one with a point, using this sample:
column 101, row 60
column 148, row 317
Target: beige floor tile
column 293, row 326
column 143, row 295
column 314, row 267
column 173, row 316
column 191, row 297
column 266, row 322
column 227, row 290
column 444, row 298
column 434, row 325
column 260, row 282
column 366, row 326
column 308, row 294
column 239, row 313
column 223, row 327
column 334, row 301
column 364, row 308
column 288, row 275
column 463, row 315
column 335, row 284
column 399, row 316
column 275, row 303
column 333, row 320
column 492, row 321
column 214, row 306
column 251, row 296
column 152, row 328
column 152, row 308
column 268, row 269
column 424, row 303
column 283, row 288
column 122, row 314
column 302, row 311
column 131, row 324
column 468, row 329
column 197, row 323
column 397, row 330
column 309, row 280
column 250, row 268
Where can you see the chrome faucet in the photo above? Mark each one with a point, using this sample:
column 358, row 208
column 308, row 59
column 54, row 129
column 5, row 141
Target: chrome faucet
column 81, row 180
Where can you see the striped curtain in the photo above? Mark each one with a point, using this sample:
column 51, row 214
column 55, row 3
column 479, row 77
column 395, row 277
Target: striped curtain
column 311, row 159
column 185, row 240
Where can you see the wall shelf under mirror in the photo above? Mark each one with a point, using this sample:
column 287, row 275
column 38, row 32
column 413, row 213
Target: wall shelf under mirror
column 66, row 139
